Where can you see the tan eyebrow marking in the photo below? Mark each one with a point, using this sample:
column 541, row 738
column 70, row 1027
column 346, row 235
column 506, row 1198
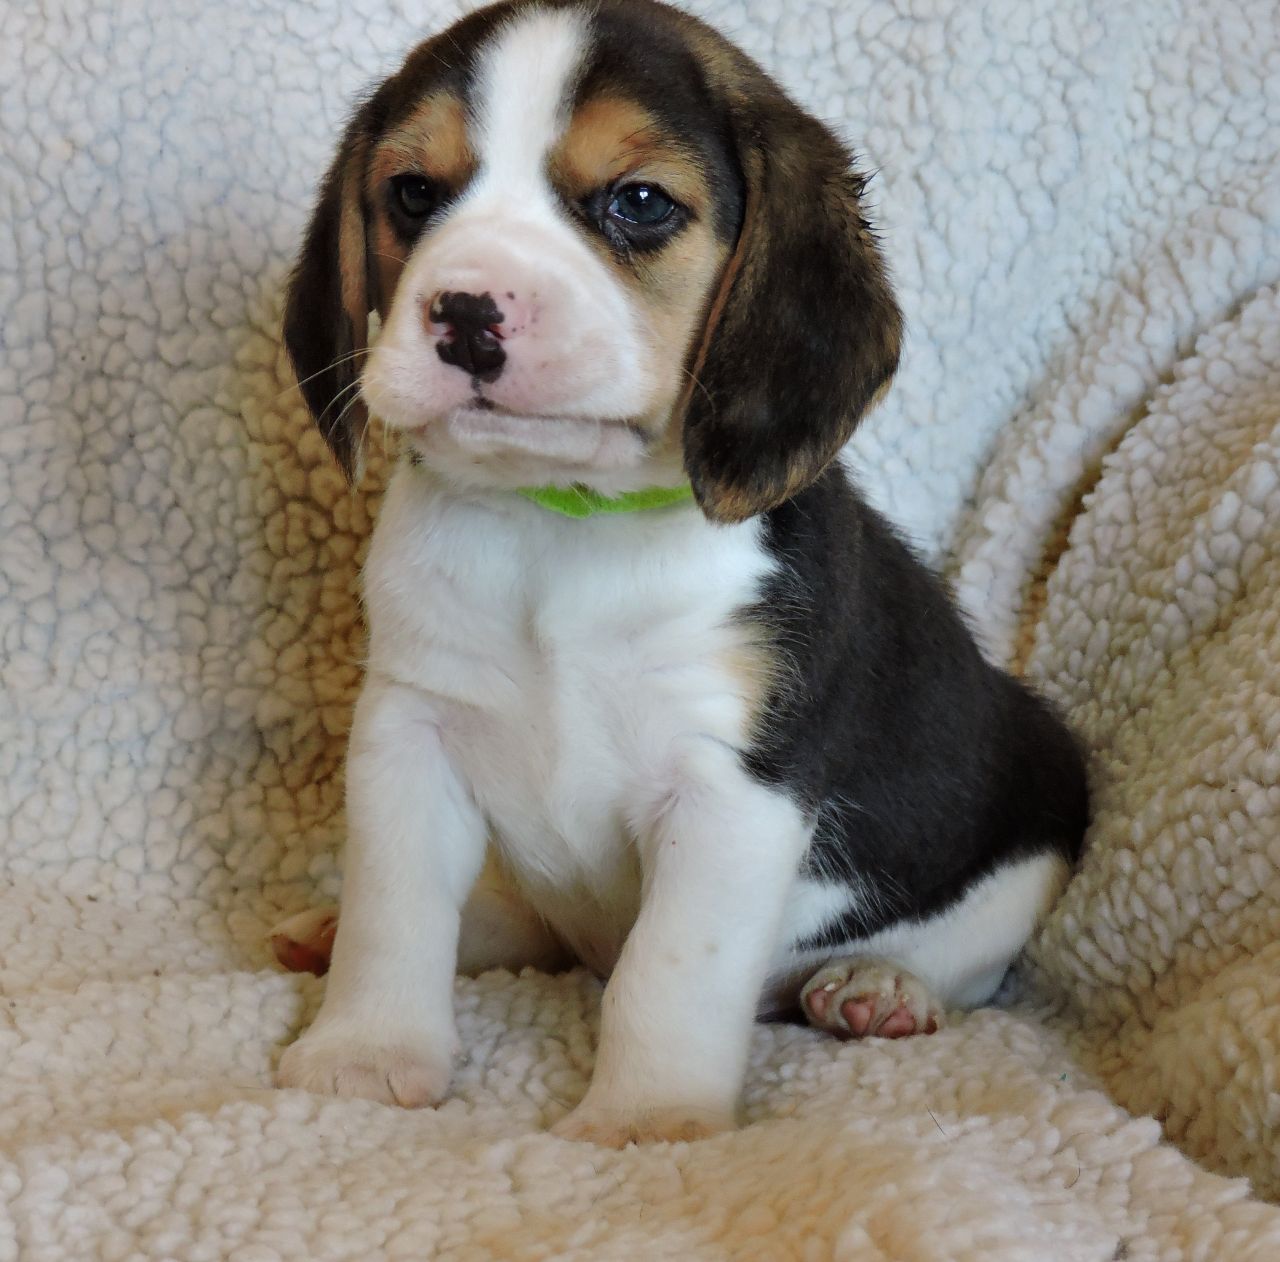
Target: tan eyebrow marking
column 432, row 141
column 610, row 137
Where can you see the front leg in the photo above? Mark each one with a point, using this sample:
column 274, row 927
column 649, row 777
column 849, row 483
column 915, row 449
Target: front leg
column 675, row 1026
column 415, row 843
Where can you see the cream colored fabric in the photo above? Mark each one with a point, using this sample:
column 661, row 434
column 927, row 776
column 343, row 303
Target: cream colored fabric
column 1080, row 204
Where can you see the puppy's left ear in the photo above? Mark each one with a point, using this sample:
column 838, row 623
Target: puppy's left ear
column 326, row 319
column 804, row 333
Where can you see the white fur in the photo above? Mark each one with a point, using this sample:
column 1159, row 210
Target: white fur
column 568, row 684
column 963, row 953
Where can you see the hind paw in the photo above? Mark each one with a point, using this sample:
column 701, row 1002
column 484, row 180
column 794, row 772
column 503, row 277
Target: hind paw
column 869, row 998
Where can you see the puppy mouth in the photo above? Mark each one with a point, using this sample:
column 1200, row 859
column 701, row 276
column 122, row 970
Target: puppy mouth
column 480, row 414
column 482, row 405
column 492, row 432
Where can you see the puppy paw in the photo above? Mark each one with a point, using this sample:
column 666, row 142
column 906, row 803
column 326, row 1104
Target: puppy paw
column 609, row 1129
column 865, row 998
column 304, row 943
column 410, row 1072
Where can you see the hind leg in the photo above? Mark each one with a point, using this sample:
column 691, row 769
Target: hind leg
column 499, row 930
column 900, row 981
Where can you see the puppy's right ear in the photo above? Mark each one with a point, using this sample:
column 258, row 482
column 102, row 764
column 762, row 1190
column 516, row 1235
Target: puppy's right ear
column 326, row 319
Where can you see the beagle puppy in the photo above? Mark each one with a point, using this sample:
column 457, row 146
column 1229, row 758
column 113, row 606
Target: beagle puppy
column 649, row 684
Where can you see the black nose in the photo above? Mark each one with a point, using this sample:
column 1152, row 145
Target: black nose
column 472, row 342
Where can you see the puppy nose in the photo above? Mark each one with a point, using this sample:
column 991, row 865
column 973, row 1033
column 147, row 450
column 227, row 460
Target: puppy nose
column 468, row 327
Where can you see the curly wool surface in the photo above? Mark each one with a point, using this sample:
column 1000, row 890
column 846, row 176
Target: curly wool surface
column 1080, row 204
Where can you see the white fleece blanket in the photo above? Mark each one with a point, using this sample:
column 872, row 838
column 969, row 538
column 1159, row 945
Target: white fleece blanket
column 1081, row 207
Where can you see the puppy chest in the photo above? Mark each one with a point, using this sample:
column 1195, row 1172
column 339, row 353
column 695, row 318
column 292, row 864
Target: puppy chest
column 586, row 741
column 571, row 662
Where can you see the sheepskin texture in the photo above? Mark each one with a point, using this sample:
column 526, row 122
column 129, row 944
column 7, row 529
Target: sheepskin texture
column 1080, row 204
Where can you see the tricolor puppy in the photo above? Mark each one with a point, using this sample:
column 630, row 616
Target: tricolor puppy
column 634, row 634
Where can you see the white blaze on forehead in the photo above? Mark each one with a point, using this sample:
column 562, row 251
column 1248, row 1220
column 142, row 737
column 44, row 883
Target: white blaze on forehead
column 523, row 88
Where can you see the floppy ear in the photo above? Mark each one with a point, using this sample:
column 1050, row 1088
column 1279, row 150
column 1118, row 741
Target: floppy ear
column 803, row 333
column 326, row 320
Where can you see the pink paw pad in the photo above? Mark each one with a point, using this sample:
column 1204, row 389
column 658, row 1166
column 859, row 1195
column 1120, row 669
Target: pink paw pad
column 304, row 943
column 869, row 999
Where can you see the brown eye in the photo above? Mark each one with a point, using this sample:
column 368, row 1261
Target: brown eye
column 415, row 196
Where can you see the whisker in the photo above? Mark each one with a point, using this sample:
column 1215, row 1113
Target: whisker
column 706, row 393
column 354, row 386
column 342, row 415
column 337, row 363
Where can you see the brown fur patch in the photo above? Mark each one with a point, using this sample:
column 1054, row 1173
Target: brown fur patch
column 674, row 298
column 730, row 502
column 432, row 141
column 389, row 257
column 352, row 271
column 756, row 668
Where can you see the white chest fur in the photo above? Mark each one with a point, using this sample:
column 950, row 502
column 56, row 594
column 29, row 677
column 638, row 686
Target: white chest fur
column 571, row 663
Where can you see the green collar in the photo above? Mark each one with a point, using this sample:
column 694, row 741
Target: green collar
column 580, row 501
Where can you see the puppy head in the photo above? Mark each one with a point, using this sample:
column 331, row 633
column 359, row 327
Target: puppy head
column 605, row 247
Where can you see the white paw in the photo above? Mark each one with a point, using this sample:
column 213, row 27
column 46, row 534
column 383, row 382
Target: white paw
column 411, row 1071
column 608, row 1128
column 864, row 998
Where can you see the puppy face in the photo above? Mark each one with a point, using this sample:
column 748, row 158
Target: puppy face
column 554, row 240
column 605, row 248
